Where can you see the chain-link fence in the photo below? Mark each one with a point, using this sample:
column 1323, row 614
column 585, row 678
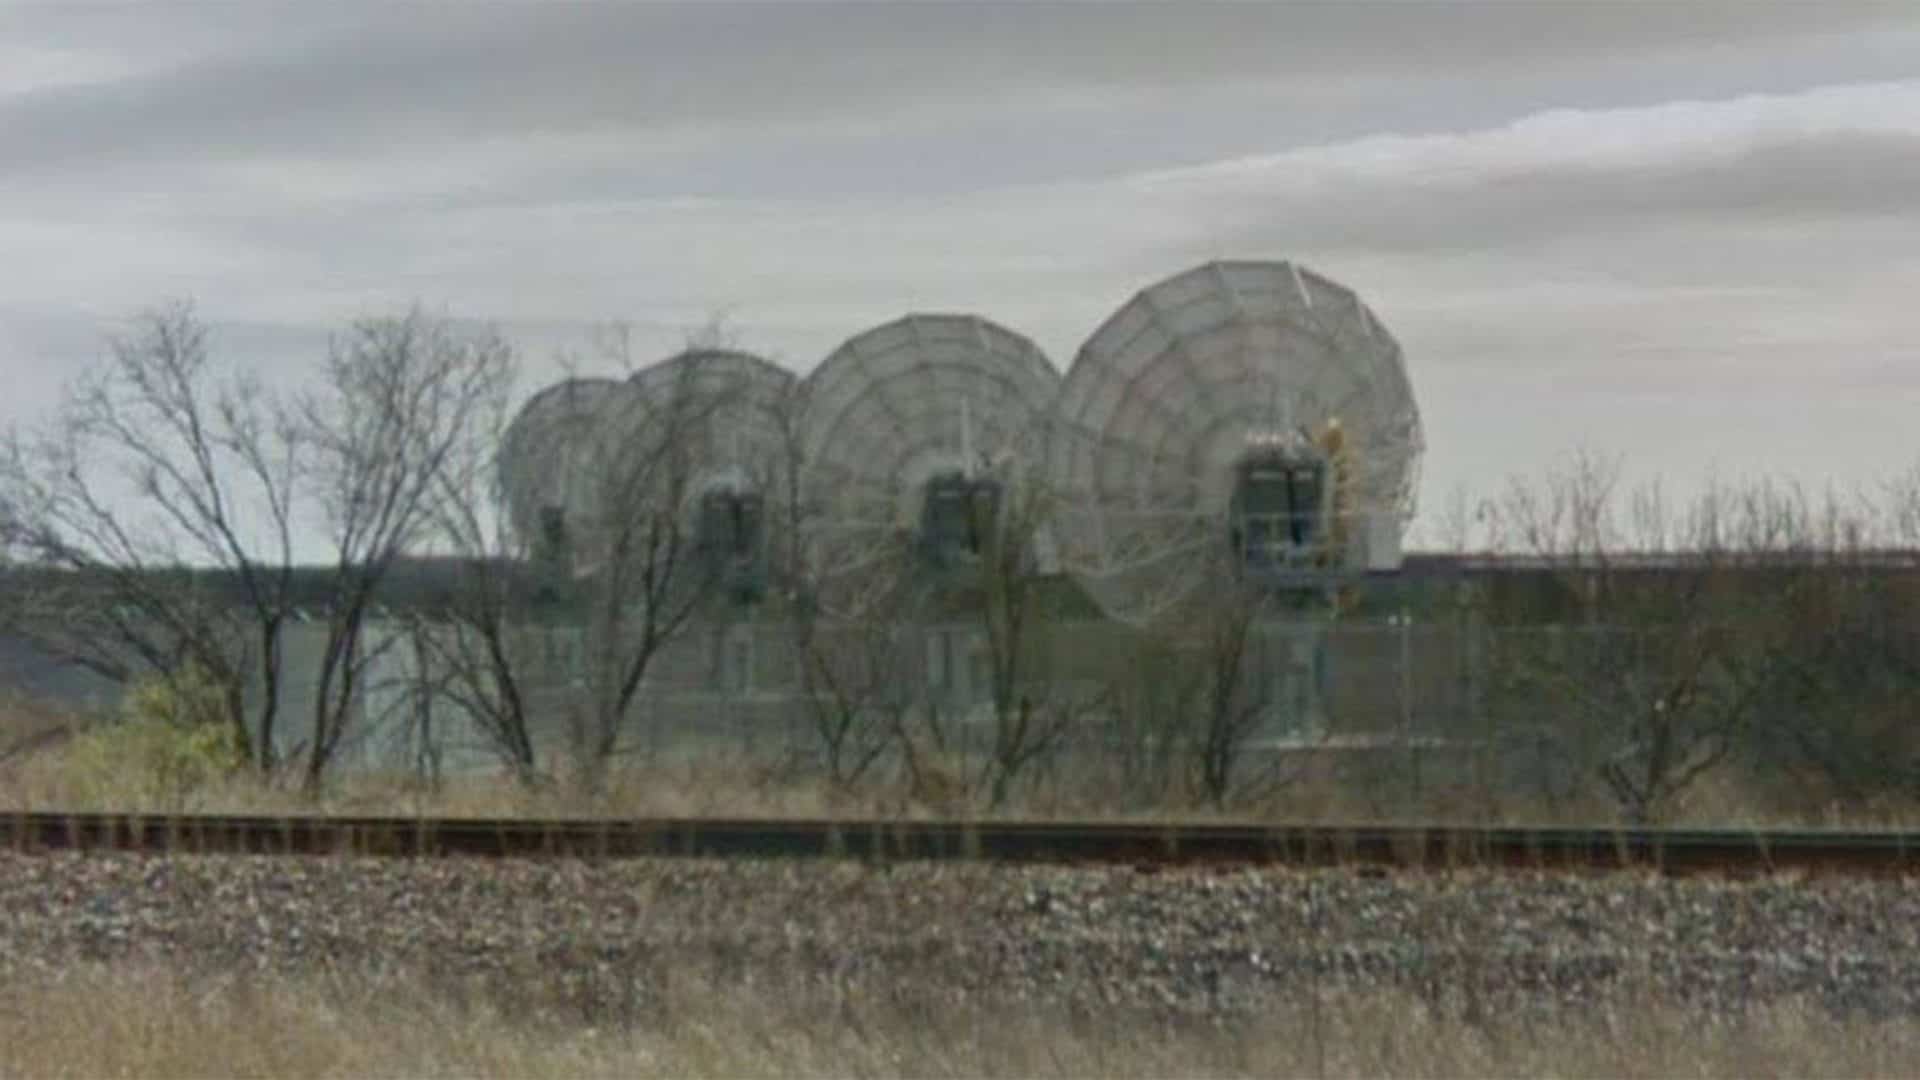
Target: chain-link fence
column 1392, row 716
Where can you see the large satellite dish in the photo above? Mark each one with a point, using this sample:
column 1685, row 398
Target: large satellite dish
column 914, row 431
column 703, row 435
column 540, row 461
column 700, row 439
column 1251, row 418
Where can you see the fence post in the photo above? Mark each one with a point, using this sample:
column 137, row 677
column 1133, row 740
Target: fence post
column 1403, row 624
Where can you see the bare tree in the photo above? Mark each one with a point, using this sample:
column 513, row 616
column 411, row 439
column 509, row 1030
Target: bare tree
column 401, row 398
column 1837, row 725
column 1229, row 699
column 851, row 672
column 1450, row 526
column 157, row 514
column 1901, row 499
column 1154, row 683
column 1037, row 704
column 1659, row 681
column 1566, row 516
column 628, row 576
column 472, row 655
column 1224, row 666
column 855, row 689
column 643, row 575
column 472, row 646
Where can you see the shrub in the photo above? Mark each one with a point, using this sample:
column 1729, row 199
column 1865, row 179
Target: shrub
column 171, row 740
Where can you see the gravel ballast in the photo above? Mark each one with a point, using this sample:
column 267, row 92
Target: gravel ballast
column 614, row 936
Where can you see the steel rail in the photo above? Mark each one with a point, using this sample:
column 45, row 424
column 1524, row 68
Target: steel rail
column 1144, row 844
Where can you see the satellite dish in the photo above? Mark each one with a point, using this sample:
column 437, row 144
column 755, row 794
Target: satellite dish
column 1247, row 417
column 913, row 433
column 539, row 462
column 703, row 435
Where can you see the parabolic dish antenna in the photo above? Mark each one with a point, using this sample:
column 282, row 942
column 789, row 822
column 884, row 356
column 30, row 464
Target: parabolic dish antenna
column 704, row 435
column 539, row 460
column 911, row 428
column 1247, row 416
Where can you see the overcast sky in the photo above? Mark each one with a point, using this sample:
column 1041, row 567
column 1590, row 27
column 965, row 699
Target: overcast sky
column 1688, row 233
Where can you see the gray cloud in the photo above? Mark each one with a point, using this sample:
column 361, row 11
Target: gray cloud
column 1578, row 217
column 263, row 78
column 1829, row 175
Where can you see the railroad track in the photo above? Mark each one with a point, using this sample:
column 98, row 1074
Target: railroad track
column 1145, row 845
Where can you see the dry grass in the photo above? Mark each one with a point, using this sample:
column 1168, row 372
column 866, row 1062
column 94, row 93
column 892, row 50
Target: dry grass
column 101, row 1022
column 719, row 788
column 28, row 729
column 38, row 770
